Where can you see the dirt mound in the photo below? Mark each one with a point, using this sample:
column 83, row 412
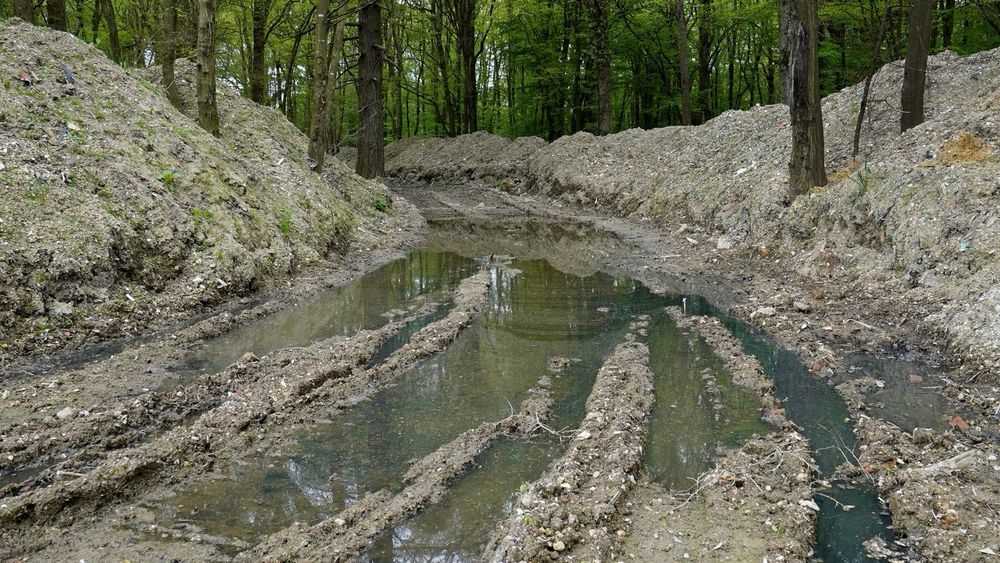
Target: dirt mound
column 120, row 212
column 916, row 217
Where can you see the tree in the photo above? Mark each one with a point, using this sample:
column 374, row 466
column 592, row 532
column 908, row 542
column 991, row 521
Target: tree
column 208, row 111
column 371, row 121
column 55, row 11
column 602, row 59
column 25, row 9
column 324, row 76
column 257, row 73
column 704, row 58
column 168, row 51
column 800, row 63
column 915, row 67
column 682, row 59
column 105, row 10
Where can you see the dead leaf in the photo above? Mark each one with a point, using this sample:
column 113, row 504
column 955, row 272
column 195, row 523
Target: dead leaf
column 958, row 422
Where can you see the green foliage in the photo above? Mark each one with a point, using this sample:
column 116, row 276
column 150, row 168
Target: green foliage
column 382, row 203
column 202, row 215
column 285, row 221
column 168, row 177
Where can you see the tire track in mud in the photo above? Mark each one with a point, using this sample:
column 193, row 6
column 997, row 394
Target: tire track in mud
column 572, row 504
column 336, row 374
column 85, row 439
column 352, row 531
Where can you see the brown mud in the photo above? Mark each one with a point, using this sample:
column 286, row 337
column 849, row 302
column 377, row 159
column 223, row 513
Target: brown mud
column 332, row 369
column 571, row 509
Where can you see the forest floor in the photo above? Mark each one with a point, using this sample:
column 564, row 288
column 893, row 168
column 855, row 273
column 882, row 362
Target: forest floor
column 91, row 442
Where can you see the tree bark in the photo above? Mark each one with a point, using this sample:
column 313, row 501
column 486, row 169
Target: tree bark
column 107, row 12
column 25, row 9
column 208, row 111
column 704, row 62
column 168, row 51
column 258, row 77
column 332, row 99
column 602, row 59
column 682, row 59
column 800, row 62
column 915, row 66
column 319, row 129
column 56, row 14
column 947, row 23
column 371, row 126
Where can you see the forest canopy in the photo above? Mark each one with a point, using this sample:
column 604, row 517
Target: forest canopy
column 516, row 67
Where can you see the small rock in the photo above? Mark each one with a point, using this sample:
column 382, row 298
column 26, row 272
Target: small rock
column 65, row 413
column 339, row 521
column 811, row 505
column 914, row 378
column 923, row 436
column 725, row 243
column 248, row 357
column 558, row 545
column 585, row 435
column 764, row 312
column 802, row 306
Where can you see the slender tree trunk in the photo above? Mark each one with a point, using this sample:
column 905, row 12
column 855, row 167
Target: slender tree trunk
column 371, row 134
column 25, row 9
column 107, row 12
column 208, row 112
column 319, row 128
column 915, row 68
column 682, row 60
column 333, row 99
column 257, row 72
column 704, row 62
column 876, row 62
column 947, row 23
column 168, row 52
column 800, row 62
column 56, row 14
column 602, row 58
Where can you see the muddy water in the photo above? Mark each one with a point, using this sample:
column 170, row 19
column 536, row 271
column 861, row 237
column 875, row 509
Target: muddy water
column 369, row 302
column 555, row 305
column 535, row 313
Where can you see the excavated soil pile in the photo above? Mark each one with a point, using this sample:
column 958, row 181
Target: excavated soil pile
column 120, row 213
column 914, row 218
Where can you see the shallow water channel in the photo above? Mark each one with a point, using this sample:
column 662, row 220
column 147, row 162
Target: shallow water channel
column 535, row 312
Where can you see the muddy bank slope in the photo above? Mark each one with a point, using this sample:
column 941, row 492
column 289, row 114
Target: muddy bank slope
column 121, row 213
column 915, row 218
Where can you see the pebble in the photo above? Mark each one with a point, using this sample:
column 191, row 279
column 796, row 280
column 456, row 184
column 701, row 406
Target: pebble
column 65, row 413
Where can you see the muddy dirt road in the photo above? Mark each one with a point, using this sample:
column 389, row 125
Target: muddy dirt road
column 533, row 383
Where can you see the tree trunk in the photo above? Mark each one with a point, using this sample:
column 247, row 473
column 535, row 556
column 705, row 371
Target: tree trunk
column 168, row 52
column 208, row 112
column 25, row 9
column 319, row 129
column 704, row 54
column 800, row 62
column 333, row 101
column 107, row 13
column 682, row 59
column 602, row 59
column 371, row 126
column 947, row 23
column 56, row 14
column 915, row 68
column 258, row 78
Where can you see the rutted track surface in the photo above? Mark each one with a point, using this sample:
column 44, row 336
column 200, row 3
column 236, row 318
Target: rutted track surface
column 328, row 369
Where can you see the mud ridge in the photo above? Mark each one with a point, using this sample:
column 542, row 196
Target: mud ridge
column 755, row 504
column 745, row 368
column 573, row 504
column 351, row 532
column 291, row 387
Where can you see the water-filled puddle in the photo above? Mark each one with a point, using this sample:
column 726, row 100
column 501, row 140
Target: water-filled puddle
column 536, row 311
column 369, row 302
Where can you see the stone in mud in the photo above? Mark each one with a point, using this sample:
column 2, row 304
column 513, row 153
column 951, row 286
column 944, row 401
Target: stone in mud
column 65, row 413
